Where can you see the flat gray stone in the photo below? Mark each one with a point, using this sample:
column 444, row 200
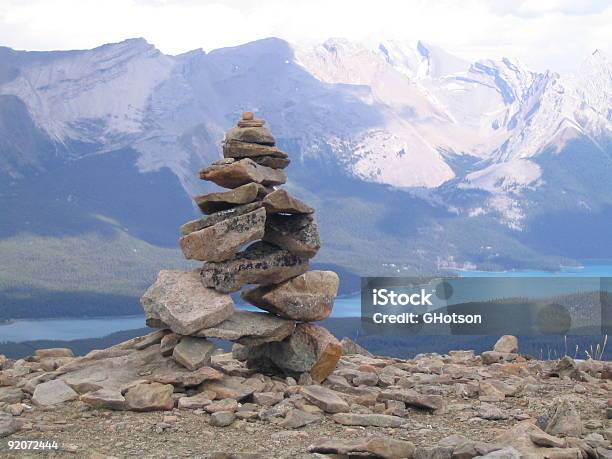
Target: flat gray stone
column 368, row 420
column 192, row 352
column 105, row 398
column 258, row 135
column 223, row 240
column 382, row 447
column 53, row 392
column 250, row 328
column 182, row 303
column 260, row 263
column 308, row 297
column 238, row 150
column 326, row 399
column 296, row 233
column 213, row 219
column 238, row 173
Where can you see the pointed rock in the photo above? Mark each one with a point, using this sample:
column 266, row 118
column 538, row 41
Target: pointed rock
column 296, row 233
column 237, row 173
column 308, row 297
column 181, row 302
column 280, row 201
column 565, row 420
column 260, row 263
column 250, row 328
column 223, row 200
column 259, row 135
column 222, row 241
column 193, row 353
column 238, row 150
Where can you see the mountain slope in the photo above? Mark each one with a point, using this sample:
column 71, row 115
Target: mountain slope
column 415, row 159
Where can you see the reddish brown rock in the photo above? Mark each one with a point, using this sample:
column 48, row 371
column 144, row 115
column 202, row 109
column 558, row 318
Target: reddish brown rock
column 280, row 201
column 223, row 200
column 308, row 297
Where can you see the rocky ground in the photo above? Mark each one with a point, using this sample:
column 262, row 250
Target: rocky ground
column 131, row 401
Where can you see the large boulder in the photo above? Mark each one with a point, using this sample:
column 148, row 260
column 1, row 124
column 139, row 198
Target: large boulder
column 150, row 397
column 308, row 297
column 250, row 328
column 258, row 134
column 565, row 420
column 296, row 233
column 215, row 202
column 223, row 240
column 181, row 302
column 310, row 349
column 239, row 149
column 280, row 201
column 506, row 344
column 232, row 174
column 260, row 263
column 53, row 392
column 193, row 352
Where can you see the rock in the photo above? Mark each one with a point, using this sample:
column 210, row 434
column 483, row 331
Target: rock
column 504, row 453
column 546, row 441
column 366, row 420
column 310, row 349
column 229, row 387
column 296, row 233
column 53, row 392
column 181, row 377
column 413, row 398
column 149, row 339
column 223, row 200
column 296, row 418
column 192, row 352
column 195, row 402
column 490, row 357
column 507, row 344
column 565, row 420
column 168, row 343
column 217, row 217
column 105, row 398
column 434, row 452
column 378, row 446
column 271, row 161
column 150, row 397
column 308, row 297
column 227, row 404
column 181, row 301
column 11, row 395
column 238, row 173
column 9, row 425
column 489, row 393
column 350, row 347
column 238, row 150
column 260, row 263
column 280, row 201
column 250, row 328
column 53, row 352
column 240, row 352
column 258, row 135
column 326, row 399
column 268, row 398
column 223, row 240
column 222, row 418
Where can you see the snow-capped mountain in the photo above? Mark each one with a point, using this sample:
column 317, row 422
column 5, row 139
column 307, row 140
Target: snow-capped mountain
column 420, row 157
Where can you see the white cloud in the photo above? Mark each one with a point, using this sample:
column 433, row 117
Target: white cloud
column 554, row 34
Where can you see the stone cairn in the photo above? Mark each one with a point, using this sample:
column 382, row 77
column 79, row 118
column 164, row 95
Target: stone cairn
column 196, row 305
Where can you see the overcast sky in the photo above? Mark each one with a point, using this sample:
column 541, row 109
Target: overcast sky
column 544, row 34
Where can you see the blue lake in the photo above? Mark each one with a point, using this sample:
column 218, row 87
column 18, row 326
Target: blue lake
column 70, row 329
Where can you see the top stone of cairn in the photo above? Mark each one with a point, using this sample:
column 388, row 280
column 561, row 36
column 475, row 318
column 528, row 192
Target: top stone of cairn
column 251, row 130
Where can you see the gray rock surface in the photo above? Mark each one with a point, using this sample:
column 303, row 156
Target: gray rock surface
column 296, row 233
column 193, row 352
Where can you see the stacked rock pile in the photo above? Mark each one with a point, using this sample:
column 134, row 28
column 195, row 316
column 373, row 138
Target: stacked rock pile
column 197, row 305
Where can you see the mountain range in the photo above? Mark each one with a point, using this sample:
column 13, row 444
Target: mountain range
column 416, row 160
